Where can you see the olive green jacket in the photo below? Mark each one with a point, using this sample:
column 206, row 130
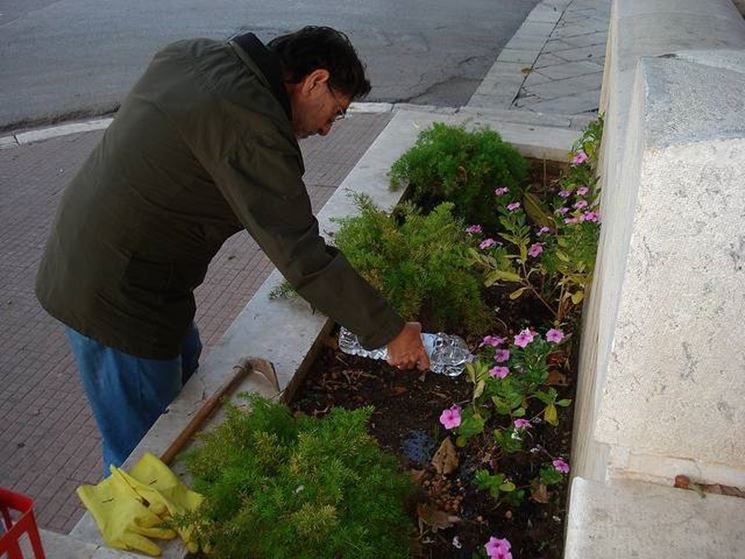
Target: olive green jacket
column 202, row 147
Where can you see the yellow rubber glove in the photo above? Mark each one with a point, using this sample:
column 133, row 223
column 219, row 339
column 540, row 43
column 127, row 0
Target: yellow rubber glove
column 124, row 521
column 164, row 491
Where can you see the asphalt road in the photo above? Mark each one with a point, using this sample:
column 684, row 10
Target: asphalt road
column 67, row 58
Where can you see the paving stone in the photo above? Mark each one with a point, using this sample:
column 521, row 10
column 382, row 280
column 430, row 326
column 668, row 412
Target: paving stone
column 504, row 101
column 556, row 46
column 571, row 70
column 549, row 60
column 520, row 56
column 577, row 29
column 598, row 38
column 577, row 103
column 538, row 29
column 502, row 69
column 568, row 86
column 526, row 43
column 584, row 53
column 534, row 78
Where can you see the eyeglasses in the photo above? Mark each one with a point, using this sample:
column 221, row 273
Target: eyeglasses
column 341, row 114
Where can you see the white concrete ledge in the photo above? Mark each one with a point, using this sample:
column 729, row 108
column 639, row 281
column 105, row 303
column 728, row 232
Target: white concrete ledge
column 60, row 546
column 681, row 126
column 625, row 520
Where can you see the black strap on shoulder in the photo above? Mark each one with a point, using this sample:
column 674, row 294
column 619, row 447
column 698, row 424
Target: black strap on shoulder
column 269, row 64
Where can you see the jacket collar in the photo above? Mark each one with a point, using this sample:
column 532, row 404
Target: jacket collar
column 269, row 64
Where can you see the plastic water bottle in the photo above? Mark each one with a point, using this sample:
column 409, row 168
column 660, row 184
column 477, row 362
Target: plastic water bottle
column 448, row 354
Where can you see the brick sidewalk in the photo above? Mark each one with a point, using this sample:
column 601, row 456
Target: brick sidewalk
column 49, row 443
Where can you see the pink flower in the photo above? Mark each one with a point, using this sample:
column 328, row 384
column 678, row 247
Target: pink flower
column 579, row 204
column 582, row 190
column 501, row 355
column 473, row 229
column 493, row 341
column 554, row 335
column 565, row 193
column 501, row 190
column 590, row 216
column 450, row 417
column 571, row 220
column 562, row 210
column 487, row 243
column 522, row 424
column 561, row 466
column 535, row 249
column 543, row 230
column 499, row 372
column 579, row 158
column 524, row 338
column 498, row 548
column 512, row 206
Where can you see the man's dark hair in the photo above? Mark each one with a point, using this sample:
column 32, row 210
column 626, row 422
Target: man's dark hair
column 312, row 48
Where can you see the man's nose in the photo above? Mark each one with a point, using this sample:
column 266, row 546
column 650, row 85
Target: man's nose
column 325, row 130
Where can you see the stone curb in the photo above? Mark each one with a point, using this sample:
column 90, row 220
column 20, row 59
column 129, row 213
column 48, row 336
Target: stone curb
column 284, row 331
column 503, row 114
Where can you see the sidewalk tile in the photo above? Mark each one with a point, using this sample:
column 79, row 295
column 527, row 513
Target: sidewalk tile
column 571, row 70
column 568, row 86
column 577, row 103
column 548, row 59
column 593, row 53
column 597, row 38
column 519, row 56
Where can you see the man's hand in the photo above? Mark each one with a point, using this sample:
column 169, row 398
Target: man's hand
column 406, row 350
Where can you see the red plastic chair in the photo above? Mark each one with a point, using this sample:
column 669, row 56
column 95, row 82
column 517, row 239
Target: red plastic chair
column 26, row 524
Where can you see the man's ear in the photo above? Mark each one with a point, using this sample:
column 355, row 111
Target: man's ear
column 316, row 78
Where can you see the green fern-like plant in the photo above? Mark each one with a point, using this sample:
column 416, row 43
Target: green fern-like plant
column 452, row 164
column 281, row 487
column 420, row 263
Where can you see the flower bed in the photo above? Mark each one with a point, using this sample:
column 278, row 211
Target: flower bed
column 487, row 451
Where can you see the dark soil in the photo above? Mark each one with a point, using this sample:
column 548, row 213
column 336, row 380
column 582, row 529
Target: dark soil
column 406, row 423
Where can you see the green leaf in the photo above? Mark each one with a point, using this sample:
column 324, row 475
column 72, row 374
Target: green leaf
column 519, row 412
column 517, row 293
column 479, row 390
column 471, row 373
column 523, row 252
column 577, row 297
column 551, row 415
column 507, row 487
column 501, row 406
column 562, row 256
column 563, row 403
column 471, row 426
column 536, row 211
column 501, row 275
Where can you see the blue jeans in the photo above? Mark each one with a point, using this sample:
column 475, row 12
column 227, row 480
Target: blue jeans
column 126, row 393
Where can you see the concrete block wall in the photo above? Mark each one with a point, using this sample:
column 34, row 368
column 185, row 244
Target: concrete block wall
column 662, row 361
column 674, row 109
